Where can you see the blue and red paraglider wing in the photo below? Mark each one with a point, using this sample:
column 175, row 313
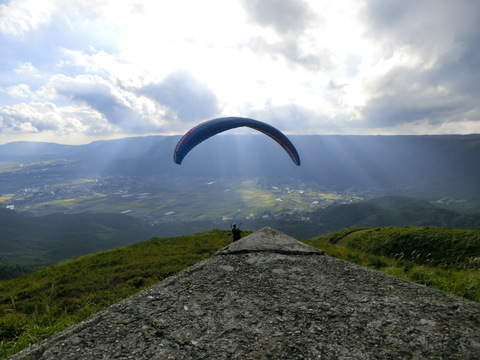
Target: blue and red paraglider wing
column 213, row 127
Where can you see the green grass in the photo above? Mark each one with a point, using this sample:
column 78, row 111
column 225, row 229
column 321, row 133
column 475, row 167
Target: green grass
column 446, row 248
column 35, row 306
column 39, row 304
column 451, row 266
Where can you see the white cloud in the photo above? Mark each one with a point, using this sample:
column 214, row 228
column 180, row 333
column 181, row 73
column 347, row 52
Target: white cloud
column 425, row 72
column 27, row 69
column 21, row 91
column 37, row 117
column 187, row 98
column 286, row 17
column 143, row 66
column 121, row 108
column 293, row 53
column 21, row 16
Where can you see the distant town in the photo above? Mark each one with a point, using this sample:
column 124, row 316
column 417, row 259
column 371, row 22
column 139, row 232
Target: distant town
column 158, row 199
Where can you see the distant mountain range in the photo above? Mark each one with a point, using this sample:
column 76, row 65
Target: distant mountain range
column 427, row 166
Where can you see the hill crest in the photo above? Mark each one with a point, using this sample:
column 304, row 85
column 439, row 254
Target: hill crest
column 264, row 304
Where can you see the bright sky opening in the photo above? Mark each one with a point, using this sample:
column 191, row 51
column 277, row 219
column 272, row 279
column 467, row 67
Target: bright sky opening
column 76, row 71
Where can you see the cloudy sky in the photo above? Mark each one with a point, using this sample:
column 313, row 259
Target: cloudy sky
column 72, row 71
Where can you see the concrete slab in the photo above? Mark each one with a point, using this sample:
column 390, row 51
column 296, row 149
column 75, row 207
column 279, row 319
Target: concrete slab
column 257, row 303
column 269, row 240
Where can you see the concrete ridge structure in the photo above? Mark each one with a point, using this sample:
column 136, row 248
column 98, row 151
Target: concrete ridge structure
column 269, row 240
column 269, row 296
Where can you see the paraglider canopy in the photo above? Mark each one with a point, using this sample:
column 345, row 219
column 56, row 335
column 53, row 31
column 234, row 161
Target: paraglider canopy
column 213, row 127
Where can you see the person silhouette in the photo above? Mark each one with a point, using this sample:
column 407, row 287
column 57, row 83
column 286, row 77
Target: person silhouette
column 236, row 232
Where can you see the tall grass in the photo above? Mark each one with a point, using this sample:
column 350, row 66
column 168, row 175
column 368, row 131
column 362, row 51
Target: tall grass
column 37, row 305
column 444, row 259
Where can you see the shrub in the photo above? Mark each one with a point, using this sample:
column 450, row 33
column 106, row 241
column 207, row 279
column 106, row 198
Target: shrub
column 376, row 262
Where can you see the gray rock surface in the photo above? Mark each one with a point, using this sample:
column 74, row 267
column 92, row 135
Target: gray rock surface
column 253, row 302
column 269, row 240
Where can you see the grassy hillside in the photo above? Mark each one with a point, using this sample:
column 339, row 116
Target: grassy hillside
column 35, row 306
column 445, row 259
column 445, row 248
column 28, row 243
column 33, row 242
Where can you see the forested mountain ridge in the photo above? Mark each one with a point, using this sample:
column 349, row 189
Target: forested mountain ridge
column 430, row 166
column 394, row 211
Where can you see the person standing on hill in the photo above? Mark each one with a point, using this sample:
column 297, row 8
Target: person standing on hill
column 236, row 232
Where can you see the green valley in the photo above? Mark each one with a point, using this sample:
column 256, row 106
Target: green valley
column 160, row 199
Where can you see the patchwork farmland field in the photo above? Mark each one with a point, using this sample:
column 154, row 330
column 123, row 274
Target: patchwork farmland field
column 162, row 199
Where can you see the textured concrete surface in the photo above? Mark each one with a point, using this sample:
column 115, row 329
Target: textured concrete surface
column 268, row 304
column 269, row 240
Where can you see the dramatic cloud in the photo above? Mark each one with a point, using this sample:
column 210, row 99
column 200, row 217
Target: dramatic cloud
column 292, row 118
column 291, row 21
column 120, row 108
column 39, row 117
column 432, row 76
column 21, row 16
column 97, row 68
column 290, row 51
column 188, row 98
column 286, row 17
